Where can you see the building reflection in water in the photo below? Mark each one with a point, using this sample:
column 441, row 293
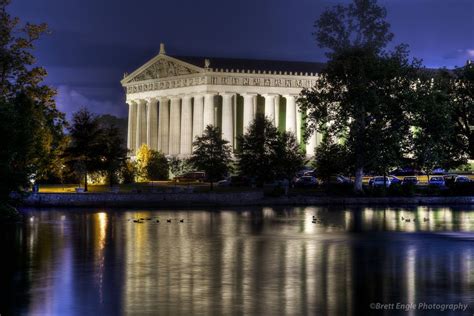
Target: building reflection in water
column 258, row 261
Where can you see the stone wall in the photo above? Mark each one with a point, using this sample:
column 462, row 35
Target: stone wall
column 142, row 199
column 181, row 199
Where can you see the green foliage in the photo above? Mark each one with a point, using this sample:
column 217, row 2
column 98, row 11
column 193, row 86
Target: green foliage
column 151, row 165
column 113, row 153
column 179, row 166
column 211, row 154
column 128, row 172
column 31, row 128
column 360, row 24
column 84, row 150
column 266, row 153
column 158, row 168
column 462, row 103
column 289, row 156
column 436, row 142
column 365, row 92
column 330, row 159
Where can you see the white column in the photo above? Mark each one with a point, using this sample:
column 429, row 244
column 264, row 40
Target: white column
column 132, row 127
column 270, row 107
column 175, row 125
column 312, row 143
column 141, row 123
column 198, row 109
column 152, row 123
column 186, row 126
column 164, row 125
column 208, row 115
column 290, row 119
column 277, row 110
column 227, row 118
column 248, row 114
column 299, row 117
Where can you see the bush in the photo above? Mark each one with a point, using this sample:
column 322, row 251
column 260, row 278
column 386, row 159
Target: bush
column 128, row 172
column 157, row 167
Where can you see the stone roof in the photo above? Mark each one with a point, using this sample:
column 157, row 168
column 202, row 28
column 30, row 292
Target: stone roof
column 254, row 64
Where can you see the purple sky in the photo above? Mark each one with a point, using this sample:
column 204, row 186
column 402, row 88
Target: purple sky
column 93, row 42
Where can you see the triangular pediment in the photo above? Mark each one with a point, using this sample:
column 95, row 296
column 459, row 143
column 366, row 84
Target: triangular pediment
column 162, row 66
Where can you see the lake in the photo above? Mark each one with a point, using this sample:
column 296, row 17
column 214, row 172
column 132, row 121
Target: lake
column 248, row 261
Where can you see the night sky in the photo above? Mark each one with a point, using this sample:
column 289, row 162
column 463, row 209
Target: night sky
column 93, row 42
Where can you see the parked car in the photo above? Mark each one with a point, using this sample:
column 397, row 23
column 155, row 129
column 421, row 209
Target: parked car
column 380, row 181
column 462, row 179
column 410, row 180
column 306, row 181
column 311, row 173
column 196, row 176
column 343, row 179
column 437, row 181
column 394, row 180
column 303, row 171
column 438, row 171
column 224, row 182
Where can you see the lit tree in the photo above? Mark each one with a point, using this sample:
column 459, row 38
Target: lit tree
column 151, row 164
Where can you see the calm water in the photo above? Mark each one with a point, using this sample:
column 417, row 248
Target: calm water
column 260, row 261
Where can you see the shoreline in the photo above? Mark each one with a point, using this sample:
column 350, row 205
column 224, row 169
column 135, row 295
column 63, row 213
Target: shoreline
column 253, row 198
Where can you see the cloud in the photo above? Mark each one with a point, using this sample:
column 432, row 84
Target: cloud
column 69, row 100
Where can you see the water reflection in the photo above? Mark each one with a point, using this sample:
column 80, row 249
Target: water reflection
column 257, row 261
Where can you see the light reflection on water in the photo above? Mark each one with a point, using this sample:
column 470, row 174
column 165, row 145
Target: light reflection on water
column 260, row 261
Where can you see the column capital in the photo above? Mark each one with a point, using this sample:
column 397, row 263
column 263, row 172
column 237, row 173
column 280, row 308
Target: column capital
column 290, row 95
column 227, row 93
column 131, row 102
column 269, row 95
column 151, row 100
column 249, row 94
column 174, row 97
column 210, row 93
column 186, row 97
column 140, row 101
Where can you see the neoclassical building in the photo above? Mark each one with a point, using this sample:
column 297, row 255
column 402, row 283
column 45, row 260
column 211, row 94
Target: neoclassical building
column 172, row 99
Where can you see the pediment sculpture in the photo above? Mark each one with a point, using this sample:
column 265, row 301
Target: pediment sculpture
column 162, row 69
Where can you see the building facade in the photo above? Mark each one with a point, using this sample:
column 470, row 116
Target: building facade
column 172, row 99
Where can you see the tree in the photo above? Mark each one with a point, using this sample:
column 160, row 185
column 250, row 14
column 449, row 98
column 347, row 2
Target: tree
column 437, row 142
column 266, row 153
column 84, row 151
column 257, row 154
column 462, row 102
column 30, row 125
column 113, row 152
column 364, row 94
column 289, row 155
column 211, row 154
column 330, row 159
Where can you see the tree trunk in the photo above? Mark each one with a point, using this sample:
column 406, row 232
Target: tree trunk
column 358, row 179
column 85, row 181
